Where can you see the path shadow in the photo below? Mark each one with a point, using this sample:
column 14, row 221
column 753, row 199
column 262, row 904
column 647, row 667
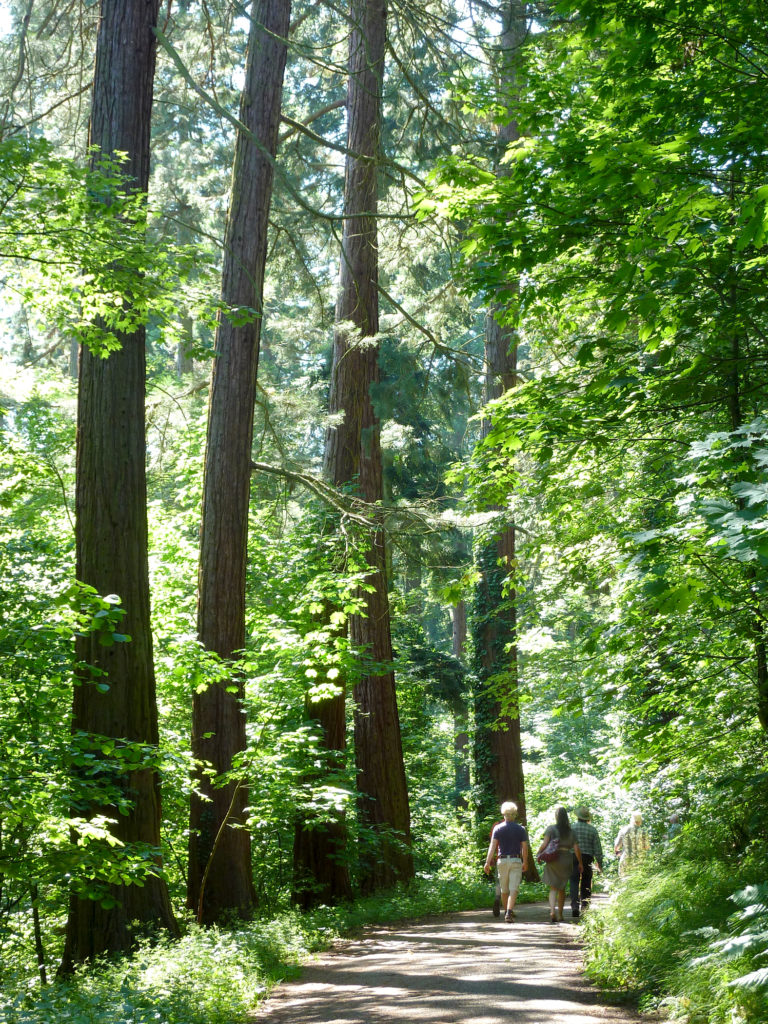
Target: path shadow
column 464, row 969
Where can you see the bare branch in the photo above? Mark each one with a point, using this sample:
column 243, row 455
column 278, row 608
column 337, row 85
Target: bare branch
column 313, row 117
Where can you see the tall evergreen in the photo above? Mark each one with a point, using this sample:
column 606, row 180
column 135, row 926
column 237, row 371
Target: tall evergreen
column 498, row 746
column 111, row 524
column 353, row 455
column 219, row 874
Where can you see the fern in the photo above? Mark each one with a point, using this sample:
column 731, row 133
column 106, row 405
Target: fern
column 749, row 939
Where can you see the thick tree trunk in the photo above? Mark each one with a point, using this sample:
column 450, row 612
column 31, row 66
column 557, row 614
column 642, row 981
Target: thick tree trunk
column 218, row 815
column 761, row 660
column 498, row 748
column 353, row 455
column 185, row 364
column 460, row 714
column 74, row 358
column 111, row 527
column 498, row 751
column 320, row 870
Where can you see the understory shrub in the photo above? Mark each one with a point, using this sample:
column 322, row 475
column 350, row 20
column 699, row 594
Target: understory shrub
column 216, row 976
column 689, row 936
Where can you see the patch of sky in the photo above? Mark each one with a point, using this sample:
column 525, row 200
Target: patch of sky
column 6, row 20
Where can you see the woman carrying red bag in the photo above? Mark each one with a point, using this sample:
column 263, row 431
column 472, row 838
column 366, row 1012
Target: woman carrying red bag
column 557, row 872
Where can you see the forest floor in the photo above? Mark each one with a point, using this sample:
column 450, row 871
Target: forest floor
column 464, row 968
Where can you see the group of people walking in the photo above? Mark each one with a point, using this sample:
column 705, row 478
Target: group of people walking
column 570, row 853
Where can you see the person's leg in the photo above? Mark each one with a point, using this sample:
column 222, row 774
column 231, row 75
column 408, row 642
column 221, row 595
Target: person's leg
column 552, row 903
column 574, row 888
column 560, row 903
column 515, row 877
column 497, row 896
column 586, row 880
column 504, row 866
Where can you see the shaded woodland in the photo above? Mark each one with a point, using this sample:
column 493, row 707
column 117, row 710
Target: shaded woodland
column 384, row 436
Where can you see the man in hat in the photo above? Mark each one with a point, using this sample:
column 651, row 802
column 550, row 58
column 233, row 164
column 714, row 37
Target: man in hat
column 591, row 853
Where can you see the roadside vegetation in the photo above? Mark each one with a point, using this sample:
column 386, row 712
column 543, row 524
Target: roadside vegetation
column 686, row 935
column 218, row 975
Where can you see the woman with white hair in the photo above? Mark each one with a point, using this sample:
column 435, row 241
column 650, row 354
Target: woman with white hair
column 632, row 843
column 509, row 848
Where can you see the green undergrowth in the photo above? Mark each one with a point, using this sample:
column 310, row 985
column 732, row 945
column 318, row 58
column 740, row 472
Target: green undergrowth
column 217, row 976
column 689, row 938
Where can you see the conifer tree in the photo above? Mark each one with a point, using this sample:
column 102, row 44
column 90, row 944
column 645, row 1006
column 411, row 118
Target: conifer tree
column 498, row 748
column 353, row 454
column 111, row 524
column 219, row 875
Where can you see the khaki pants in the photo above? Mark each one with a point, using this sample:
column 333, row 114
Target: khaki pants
column 510, row 873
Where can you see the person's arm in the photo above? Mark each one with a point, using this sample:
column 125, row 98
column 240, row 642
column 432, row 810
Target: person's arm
column 544, row 842
column 618, row 844
column 490, row 855
column 524, row 854
column 577, row 851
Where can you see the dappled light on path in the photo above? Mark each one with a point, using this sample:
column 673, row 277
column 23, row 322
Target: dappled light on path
column 464, row 969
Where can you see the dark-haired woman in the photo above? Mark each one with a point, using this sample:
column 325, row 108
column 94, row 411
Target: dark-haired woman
column 557, row 873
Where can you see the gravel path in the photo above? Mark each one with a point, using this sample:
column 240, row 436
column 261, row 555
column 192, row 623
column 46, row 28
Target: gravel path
column 464, row 968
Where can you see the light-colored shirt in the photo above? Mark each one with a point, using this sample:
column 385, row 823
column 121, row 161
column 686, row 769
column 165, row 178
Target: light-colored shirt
column 632, row 843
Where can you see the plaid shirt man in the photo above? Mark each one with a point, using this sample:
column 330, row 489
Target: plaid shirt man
column 588, row 840
column 591, row 850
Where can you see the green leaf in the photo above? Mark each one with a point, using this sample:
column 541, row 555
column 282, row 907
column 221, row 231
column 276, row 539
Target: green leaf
column 753, row 981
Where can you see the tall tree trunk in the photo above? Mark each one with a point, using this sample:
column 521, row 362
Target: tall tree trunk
column 413, row 593
column 185, row 364
column 185, row 235
column 460, row 714
column 320, row 859
column 353, row 455
column 218, row 814
column 498, row 748
column 74, row 359
column 111, row 524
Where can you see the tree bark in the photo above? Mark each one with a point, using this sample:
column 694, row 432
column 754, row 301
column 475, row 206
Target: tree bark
column 320, row 860
column 74, row 359
column 498, row 747
column 111, row 519
column 353, row 457
column 218, row 729
column 185, row 364
column 460, row 709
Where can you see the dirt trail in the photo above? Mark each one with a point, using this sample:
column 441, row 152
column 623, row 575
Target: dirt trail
column 464, row 968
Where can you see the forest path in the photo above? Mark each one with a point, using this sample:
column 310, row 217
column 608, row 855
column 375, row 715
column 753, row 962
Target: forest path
column 464, row 968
